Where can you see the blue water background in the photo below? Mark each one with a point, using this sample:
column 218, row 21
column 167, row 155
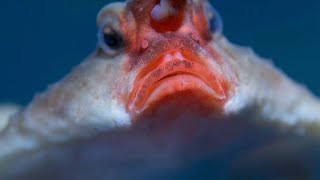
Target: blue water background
column 40, row 41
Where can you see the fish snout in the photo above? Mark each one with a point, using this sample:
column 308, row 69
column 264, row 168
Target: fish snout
column 175, row 73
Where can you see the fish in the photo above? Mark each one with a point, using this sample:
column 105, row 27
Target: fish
column 158, row 64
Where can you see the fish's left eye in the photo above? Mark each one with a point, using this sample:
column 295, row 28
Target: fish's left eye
column 213, row 19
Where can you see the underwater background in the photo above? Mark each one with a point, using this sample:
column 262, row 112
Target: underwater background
column 40, row 41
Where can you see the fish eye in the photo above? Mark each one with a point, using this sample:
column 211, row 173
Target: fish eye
column 110, row 38
column 213, row 18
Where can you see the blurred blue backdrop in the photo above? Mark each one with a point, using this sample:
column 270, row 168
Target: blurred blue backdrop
column 40, row 41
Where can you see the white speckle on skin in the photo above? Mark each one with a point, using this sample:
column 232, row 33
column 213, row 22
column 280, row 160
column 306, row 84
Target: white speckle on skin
column 167, row 57
column 179, row 56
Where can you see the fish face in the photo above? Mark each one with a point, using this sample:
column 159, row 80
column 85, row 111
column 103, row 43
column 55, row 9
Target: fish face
column 169, row 61
column 157, row 61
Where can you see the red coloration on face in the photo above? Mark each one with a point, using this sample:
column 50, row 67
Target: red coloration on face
column 172, row 72
column 198, row 19
column 171, row 61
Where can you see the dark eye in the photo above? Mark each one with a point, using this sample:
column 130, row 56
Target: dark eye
column 214, row 19
column 112, row 39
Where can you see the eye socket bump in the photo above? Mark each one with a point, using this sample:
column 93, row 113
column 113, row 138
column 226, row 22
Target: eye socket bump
column 110, row 39
column 213, row 18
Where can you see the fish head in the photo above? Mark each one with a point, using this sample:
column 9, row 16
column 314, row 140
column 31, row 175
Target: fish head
column 167, row 56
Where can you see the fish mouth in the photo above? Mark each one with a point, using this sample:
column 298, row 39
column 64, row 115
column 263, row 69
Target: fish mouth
column 172, row 73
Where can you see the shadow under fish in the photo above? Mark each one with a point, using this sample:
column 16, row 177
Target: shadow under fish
column 186, row 148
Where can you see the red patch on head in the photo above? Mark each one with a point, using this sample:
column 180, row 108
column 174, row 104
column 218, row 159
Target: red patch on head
column 200, row 22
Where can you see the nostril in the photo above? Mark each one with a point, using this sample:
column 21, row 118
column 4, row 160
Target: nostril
column 196, row 38
column 144, row 44
column 167, row 15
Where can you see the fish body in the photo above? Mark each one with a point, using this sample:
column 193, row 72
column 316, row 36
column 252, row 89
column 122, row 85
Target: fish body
column 159, row 61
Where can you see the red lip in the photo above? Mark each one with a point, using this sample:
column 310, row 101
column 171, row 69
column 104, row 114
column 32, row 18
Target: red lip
column 165, row 76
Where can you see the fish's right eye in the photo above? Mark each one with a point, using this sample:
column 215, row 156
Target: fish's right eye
column 110, row 38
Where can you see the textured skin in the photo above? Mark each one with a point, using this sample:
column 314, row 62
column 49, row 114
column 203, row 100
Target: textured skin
column 6, row 111
column 92, row 98
column 266, row 91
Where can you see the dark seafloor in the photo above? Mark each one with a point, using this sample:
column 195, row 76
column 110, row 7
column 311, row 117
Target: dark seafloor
column 40, row 41
column 183, row 149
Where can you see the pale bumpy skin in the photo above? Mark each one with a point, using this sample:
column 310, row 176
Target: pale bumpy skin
column 84, row 103
column 6, row 110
